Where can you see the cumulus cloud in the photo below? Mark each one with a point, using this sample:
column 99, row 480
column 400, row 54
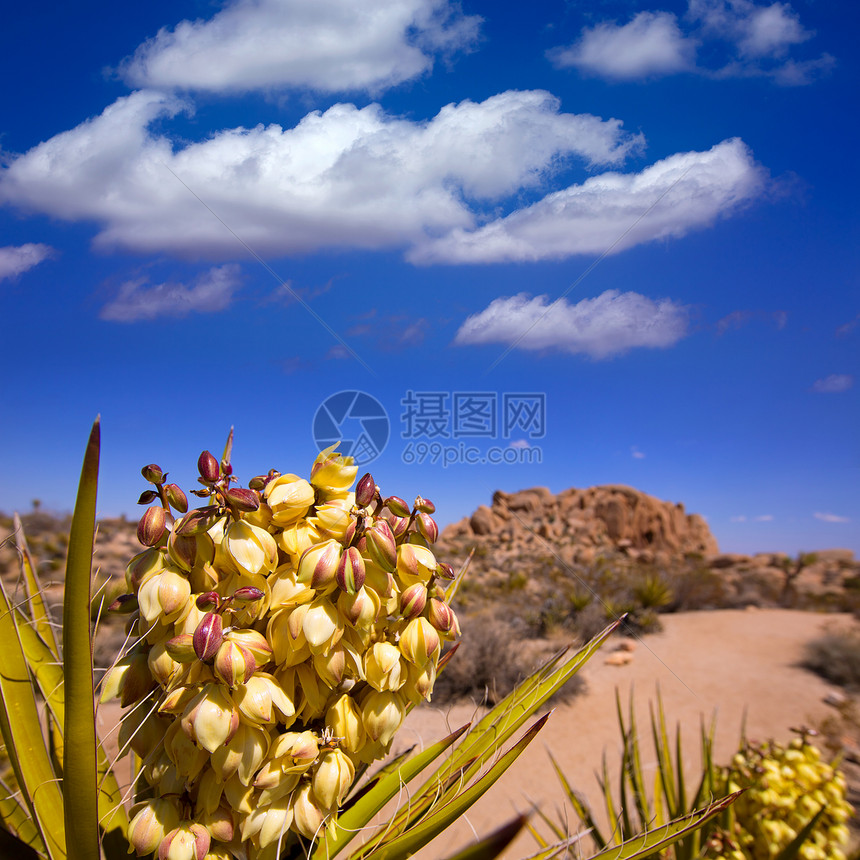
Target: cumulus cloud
column 831, row 518
column 651, row 44
column 327, row 46
column 140, row 300
column 833, row 384
column 757, row 31
column 15, row 259
column 609, row 324
column 750, row 40
column 684, row 192
column 348, row 177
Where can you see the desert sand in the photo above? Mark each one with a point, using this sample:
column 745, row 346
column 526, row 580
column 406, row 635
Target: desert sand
column 730, row 662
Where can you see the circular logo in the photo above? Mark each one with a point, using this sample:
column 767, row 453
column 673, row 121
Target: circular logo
column 356, row 422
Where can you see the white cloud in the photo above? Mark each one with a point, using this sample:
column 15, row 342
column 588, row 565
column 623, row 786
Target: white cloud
column 519, row 444
column 15, row 259
column 326, row 45
column 764, row 518
column 833, row 384
column 138, row 300
column 831, row 518
column 346, row 177
column 757, row 31
column 738, row 519
column 651, row 44
column 683, row 192
column 606, row 325
column 636, row 454
column 741, row 38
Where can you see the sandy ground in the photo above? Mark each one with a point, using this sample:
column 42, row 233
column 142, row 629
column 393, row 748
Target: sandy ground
column 728, row 661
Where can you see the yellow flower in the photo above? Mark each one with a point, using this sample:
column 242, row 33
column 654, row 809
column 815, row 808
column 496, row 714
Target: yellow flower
column 344, row 720
column 332, row 779
column 150, row 823
column 332, row 471
column 382, row 714
column 251, row 549
column 289, row 497
column 384, row 668
column 210, row 718
column 419, row 642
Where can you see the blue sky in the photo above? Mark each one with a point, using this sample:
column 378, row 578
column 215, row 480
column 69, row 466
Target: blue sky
column 637, row 220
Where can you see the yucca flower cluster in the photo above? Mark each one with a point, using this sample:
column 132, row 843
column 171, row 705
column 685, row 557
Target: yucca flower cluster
column 282, row 632
column 786, row 786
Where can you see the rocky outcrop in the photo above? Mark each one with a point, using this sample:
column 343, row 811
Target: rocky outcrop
column 612, row 517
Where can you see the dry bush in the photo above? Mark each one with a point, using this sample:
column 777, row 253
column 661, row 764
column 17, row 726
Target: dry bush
column 836, row 657
column 492, row 658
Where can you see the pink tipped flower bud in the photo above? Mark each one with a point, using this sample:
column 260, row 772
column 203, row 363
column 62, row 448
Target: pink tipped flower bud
column 153, row 474
column 445, row 571
column 381, row 546
column 176, row 498
column 208, row 599
column 207, row 465
column 413, row 600
column 399, row 526
column 208, row 637
column 441, row 616
column 397, row 506
column 147, row 497
column 150, row 822
column 350, row 571
column 182, row 549
column 243, row 500
column 365, row 490
column 125, row 604
column 181, row 648
column 427, row 527
column 425, row 506
column 189, row 841
column 318, row 564
column 247, row 594
column 234, row 664
column 198, row 521
column 152, row 526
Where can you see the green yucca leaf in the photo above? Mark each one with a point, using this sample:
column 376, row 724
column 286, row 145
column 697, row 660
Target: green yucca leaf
column 37, row 608
column 579, row 807
column 654, row 841
column 793, row 848
column 19, row 824
column 80, row 790
column 491, row 846
column 439, row 819
column 22, row 734
column 362, row 811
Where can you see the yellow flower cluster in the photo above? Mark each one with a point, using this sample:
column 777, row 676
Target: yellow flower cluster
column 786, row 786
column 283, row 631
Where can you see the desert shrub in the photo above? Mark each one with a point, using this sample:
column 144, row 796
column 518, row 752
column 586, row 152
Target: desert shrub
column 697, row 588
column 836, row 657
column 640, row 622
column 652, row 591
column 490, row 661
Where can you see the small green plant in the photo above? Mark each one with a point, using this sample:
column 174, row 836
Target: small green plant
column 652, row 591
column 788, row 802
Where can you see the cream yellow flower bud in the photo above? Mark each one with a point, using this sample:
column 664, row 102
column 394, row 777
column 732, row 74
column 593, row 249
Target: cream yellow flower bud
column 333, row 471
column 332, row 779
column 344, row 720
column 297, row 537
column 244, row 754
column 419, row 682
column 269, row 824
column 254, row 642
column 188, row 758
column 334, row 517
column 287, row 590
column 382, row 714
column 318, row 565
column 262, row 699
column 419, row 642
column 233, row 664
column 150, row 823
column 129, row 680
column 211, row 719
column 308, row 818
column 360, row 609
column 221, row 825
column 189, row 841
column 413, row 600
column 161, row 664
column 142, row 731
column 289, row 498
column 164, row 596
column 321, row 625
column 384, row 667
column 415, row 564
column 251, row 549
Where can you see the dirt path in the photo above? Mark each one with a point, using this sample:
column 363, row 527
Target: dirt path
column 734, row 661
